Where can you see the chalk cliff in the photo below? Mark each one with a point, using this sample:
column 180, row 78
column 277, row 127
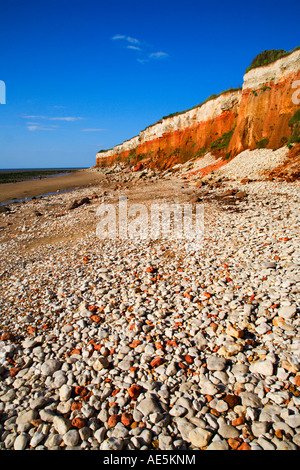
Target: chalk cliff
column 255, row 116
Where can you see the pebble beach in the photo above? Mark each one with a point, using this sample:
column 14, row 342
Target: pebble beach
column 133, row 344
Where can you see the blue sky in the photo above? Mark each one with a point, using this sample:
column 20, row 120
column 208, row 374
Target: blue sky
column 85, row 75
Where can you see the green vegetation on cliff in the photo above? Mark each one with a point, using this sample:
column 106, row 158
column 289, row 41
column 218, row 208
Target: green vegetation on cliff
column 269, row 56
column 294, row 123
column 262, row 144
column 223, row 141
column 295, row 119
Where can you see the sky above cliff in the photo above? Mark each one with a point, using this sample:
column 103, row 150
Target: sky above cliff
column 85, row 75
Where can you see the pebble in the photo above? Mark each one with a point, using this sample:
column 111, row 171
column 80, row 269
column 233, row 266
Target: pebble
column 71, row 438
column 218, row 445
column 65, row 392
column 50, row 366
column 200, row 437
column 228, row 432
column 38, row 403
column 259, row 428
column 293, row 421
column 148, row 406
column 112, row 444
column 208, row 388
column 250, row 399
column 21, row 441
column 37, row 439
column 61, row 425
column 100, row 434
column 123, row 344
column 265, row 368
column 185, row 427
column 287, row 312
column 216, row 363
column 165, row 442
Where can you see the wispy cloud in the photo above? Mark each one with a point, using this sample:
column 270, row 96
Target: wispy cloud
column 136, row 45
column 49, row 118
column 117, row 37
column 38, row 127
column 125, row 38
column 67, row 118
column 135, row 48
column 33, row 123
column 158, row 55
column 133, row 40
column 143, row 61
column 153, row 56
column 93, row 130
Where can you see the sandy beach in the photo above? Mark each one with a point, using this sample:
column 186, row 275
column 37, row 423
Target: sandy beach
column 24, row 189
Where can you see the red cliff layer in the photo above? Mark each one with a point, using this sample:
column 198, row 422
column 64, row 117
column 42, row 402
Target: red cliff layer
column 180, row 145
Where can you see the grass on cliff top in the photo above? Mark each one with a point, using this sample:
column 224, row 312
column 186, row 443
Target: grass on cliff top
column 269, row 56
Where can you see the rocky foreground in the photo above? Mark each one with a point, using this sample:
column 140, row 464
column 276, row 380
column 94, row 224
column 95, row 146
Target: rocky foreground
column 140, row 344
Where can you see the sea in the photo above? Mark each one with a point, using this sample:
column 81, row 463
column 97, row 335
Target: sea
column 60, row 172
column 16, row 170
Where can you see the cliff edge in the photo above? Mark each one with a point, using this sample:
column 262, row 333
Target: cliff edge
column 259, row 115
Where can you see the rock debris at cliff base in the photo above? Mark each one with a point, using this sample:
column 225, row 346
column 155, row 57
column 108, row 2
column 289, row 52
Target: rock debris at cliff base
column 251, row 164
column 124, row 344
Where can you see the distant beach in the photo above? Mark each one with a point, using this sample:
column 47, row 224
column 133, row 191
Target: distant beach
column 34, row 186
column 27, row 174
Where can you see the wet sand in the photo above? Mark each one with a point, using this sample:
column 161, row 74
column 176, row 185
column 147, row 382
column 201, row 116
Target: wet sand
column 24, row 189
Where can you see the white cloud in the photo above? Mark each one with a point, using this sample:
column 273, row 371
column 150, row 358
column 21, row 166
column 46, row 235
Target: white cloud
column 132, row 40
column 118, row 36
column 49, row 118
column 158, row 55
column 134, row 44
column 70, row 119
column 134, row 48
column 125, row 38
column 26, row 116
column 93, row 130
column 37, row 127
column 143, row 61
column 153, row 56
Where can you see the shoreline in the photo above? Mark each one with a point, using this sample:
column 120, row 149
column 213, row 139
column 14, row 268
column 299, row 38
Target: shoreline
column 31, row 188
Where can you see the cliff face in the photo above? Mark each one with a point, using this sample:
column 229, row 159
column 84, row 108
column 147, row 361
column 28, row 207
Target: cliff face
column 178, row 138
column 255, row 116
column 266, row 105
